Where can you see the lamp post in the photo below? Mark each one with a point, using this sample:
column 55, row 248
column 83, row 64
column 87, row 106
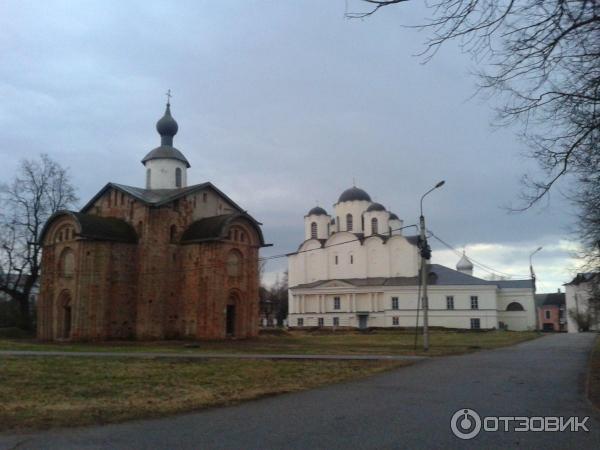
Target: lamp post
column 425, row 255
column 531, row 263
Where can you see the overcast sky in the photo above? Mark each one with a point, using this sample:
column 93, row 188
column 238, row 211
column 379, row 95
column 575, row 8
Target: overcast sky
column 280, row 104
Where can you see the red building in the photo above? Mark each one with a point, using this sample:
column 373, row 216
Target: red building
column 551, row 311
column 160, row 262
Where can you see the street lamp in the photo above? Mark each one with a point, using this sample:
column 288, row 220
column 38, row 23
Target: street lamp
column 531, row 264
column 425, row 255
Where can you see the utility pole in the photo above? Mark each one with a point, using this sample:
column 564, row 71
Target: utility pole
column 537, row 318
column 425, row 251
column 424, row 275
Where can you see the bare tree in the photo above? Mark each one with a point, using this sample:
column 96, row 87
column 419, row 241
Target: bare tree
column 543, row 59
column 40, row 188
column 587, row 198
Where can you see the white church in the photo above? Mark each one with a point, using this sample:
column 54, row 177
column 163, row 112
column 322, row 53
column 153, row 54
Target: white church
column 358, row 270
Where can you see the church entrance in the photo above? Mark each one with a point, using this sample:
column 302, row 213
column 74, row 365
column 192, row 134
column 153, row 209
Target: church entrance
column 67, row 330
column 65, row 315
column 230, row 321
column 362, row 321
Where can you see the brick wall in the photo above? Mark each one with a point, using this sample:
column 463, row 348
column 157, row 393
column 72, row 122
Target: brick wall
column 155, row 289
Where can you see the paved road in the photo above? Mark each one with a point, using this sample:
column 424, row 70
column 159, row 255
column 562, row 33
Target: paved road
column 407, row 408
column 196, row 355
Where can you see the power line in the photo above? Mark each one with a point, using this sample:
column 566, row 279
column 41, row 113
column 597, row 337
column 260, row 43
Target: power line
column 474, row 261
column 283, row 255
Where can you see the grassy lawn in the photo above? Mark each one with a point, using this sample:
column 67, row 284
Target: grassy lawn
column 305, row 342
column 37, row 393
column 594, row 380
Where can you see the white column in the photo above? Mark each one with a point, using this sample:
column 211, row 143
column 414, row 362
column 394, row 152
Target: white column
column 371, row 297
column 353, row 302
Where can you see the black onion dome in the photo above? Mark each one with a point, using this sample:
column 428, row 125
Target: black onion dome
column 166, row 126
column 317, row 211
column 166, row 152
column 353, row 194
column 376, row 207
column 394, row 217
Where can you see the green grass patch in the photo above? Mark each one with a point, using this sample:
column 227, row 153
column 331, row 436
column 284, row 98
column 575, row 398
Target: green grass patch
column 38, row 392
column 389, row 342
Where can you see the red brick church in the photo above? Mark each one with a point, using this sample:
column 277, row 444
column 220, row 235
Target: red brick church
column 164, row 262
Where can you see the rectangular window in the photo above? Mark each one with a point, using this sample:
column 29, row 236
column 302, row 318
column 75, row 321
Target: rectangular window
column 336, row 303
column 475, row 324
column 336, row 259
column 474, row 302
column 300, row 322
column 547, row 314
column 336, row 321
column 321, row 322
column 450, row 302
column 394, row 302
column 395, row 320
column 351, row 259
column 204, row 197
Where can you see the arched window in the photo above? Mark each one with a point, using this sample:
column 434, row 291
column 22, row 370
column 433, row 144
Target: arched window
column 234, row 263
column 148, row 178
column 67, row 263
column 178, row 177
column 337, row 221
column 173, row 234
column 374, row 226
column 349, row 222
column 313, row 230
column 515, row 306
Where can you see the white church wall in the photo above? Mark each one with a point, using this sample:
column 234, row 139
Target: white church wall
column 395, row 225
column 339, row 248
column 377, row 257
column 162, row 173
column 404, row 258
column 382, row 222
column 517, row 320
column 322, row 222
column 356, row 208
column 577, row 299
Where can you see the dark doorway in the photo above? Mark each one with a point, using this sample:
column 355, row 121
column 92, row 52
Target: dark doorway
column 67, row 322
column 362, row 322
column 230, row 320
column 548, row 327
